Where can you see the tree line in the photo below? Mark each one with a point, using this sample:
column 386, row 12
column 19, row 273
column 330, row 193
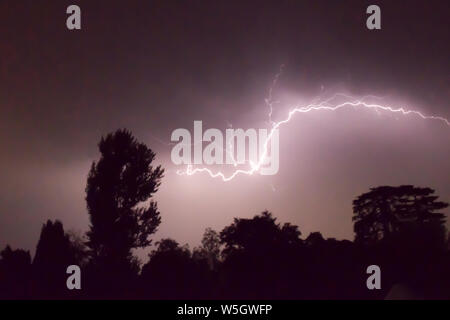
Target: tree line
column 399, row 228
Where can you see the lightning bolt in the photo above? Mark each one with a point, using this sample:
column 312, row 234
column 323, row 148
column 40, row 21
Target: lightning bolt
column 317, row 105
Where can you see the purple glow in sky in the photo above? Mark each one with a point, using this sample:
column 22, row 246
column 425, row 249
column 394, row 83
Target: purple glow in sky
column 160, row 65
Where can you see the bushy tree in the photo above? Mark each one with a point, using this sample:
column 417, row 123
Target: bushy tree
column 55, row 251
column 119, row 194
column 259, row 255
column 260, row 233
column 210, row 248
column 15, row 274
column 386, row 210
column 172, row 273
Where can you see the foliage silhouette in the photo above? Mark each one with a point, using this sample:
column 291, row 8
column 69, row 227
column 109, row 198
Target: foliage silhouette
column 15, row 274
column 172, row 273
column 399, row 229
column 54, row 253
column 386, row 210
column 117, row 187
column 258, row 234
column 209, row 249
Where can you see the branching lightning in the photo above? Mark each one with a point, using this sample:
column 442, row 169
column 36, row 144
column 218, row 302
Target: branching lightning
column 317, row 105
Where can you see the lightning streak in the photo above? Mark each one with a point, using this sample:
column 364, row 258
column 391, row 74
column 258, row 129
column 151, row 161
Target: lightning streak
column 325, row 105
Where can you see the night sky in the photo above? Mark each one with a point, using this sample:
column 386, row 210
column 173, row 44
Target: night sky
column 155, row 66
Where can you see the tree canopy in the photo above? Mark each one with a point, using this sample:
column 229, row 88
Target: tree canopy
column 117, row 188
column 386, row 210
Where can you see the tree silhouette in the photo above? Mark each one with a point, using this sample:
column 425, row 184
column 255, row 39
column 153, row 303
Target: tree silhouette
column 314, row 239
column 256, row 249
column 117, row 187
column 386, row 210
column 210, row 248
column 399, row 229
column 172, row 273
column 258, row 234
column 79, row 251
column 54, row 253
column 402, row 231
column 15, row 271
